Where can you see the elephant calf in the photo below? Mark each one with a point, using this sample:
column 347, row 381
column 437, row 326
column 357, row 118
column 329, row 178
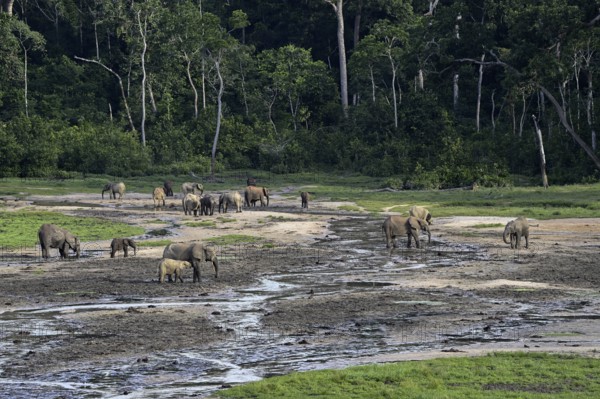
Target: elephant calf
column 158, row 196
column 122, row 244
column 516, row 229
column 304, row 198
column 172, row 268
column 191, row 204
column 421, row 213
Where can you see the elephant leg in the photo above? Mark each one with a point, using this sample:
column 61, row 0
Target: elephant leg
column 526, row 242
column 415, row 235
column 125, row 251
column 196, row 269
column 112, row 252
column 216, row 269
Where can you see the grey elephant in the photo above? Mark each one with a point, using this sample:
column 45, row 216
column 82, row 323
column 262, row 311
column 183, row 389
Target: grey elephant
column 304, row 198
column 253, row 194
column 395, row 226
column 168, row 186
column 52, row 236
column 191, row 203
column 421, row 213
column 158, row 196
column 230, row 199
column 208, row 203
column 194, row 188
column 114, row 189
column 515, row 229
column 195, row 253
column 122, row 244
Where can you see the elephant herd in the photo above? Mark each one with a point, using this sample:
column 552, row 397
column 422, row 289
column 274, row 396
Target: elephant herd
column 420, row 218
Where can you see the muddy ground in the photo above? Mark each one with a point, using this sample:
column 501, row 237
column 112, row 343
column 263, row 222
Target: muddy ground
column 320, row 290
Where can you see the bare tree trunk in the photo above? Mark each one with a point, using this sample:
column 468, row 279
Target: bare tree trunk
column 420, row 80
column 144, row 77
column 563, row 118
column 127, row 110
column 394, row 100
column 151, row 94
column 373, row 86
column 590, row 108
column 540, row 143
column 356, row 38
column 455, row 91
column 479, row 83
column 189, row 76
column 493, row 112
column 203, row 84
column 25, row 82
column 339, row 12
column 219, row 112
column 7, row 6
column 522, row 119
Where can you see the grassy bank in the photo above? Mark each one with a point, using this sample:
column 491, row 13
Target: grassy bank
column 499, row 375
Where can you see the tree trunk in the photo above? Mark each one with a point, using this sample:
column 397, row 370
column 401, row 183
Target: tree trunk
column 189, row 76
column 493, row 112
column 25, row 82
column 144, row 77
column 219, row 111
column 540, row 143
column 339, row 12
column 455, row 91
column 590, row 109
column 7, row 6
column 563, row 119
column 479, row 83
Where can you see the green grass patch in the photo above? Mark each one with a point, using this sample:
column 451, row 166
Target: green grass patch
column 232, row 239
column 499, row 375
column 19, row 229
column 204, row 223
column 349, row 208
column 486, row 225
column 223, row 219
column 154, row 243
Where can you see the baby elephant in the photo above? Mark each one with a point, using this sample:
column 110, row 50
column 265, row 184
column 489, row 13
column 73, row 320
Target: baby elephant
column 121, row 244
column 304, row 198
column 171, row 267
column 515, row 229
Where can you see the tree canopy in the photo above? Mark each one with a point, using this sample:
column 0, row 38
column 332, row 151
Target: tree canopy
column 428, row 93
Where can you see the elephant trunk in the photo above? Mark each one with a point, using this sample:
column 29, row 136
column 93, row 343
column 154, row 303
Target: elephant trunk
column 428, row 234
column 506, row 233
column 134, row 249
column 77, row 251
column 215, row 263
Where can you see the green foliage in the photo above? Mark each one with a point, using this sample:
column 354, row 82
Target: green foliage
column 232, row 239
column 498, row 375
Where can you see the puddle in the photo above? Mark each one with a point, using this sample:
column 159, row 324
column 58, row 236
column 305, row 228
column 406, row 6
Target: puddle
column 251, row 351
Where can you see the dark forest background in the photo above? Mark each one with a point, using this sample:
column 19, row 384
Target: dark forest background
column 426, row 93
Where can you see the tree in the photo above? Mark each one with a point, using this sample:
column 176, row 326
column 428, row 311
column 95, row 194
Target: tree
column 339, row 14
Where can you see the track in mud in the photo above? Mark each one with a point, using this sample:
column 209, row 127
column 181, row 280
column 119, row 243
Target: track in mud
column 346, row 308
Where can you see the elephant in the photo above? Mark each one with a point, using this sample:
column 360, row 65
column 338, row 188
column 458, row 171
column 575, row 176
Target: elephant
column 516, row 229
column 304, row 197
column 114, row 189
column 194, row 188
column 171, row 267
column 208, row 203
column 122, row 244
column 395, row 226
column 191, row 203
column 168, row 186
column 251, row 181
column 230, row 198
column 52, row 236
column 253, row 194
column 195, row 253
column 421, row 213
column 158, row 195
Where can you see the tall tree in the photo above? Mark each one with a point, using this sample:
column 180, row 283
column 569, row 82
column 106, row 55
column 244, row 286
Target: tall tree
column 338, row 8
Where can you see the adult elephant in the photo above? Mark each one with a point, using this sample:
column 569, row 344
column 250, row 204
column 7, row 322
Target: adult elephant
column 158, row 196
column 208, row 203
column 230, row 199
column 191, row 203
column 515, row 229
column 168, row 187
column 114, row 189
column 395, row 226
column 304, row 198
column 194, row 188
column 195, row 253
column 52, row 236
column 122, row 244
column 253, row 194
column 421, row 213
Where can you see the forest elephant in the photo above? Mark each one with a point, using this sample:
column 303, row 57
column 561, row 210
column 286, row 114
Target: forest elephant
column 195, row 253
column 233, row 199
column 52, row 236
column 253, row 194
column 122, row 244
column 114, row 189
column 168, row 186
column 304, row 198
column 515, row 229
column 208, row 203
column 396, row 226
column 158, row 196
column 172, row 268
column 191, row 203
column 251, row 181
column 194, row 188
column 421, row 213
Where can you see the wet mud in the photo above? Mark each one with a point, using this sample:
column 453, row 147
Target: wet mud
column 100, row 327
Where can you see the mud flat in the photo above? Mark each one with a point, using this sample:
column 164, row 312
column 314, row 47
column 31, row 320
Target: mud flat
column 321, row 290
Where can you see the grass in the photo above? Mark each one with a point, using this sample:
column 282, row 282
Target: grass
column 154, row 243
column 205, row 223
column 19, row 229
column 232, row 239
column 486, row 225
column 498, row 375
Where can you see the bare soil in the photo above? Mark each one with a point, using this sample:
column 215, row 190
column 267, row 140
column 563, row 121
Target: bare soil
column 486, row 298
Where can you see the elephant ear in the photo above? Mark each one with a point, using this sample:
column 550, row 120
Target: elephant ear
column 198, row 252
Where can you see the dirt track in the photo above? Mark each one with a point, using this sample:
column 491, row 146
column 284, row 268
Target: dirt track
column 323, row 293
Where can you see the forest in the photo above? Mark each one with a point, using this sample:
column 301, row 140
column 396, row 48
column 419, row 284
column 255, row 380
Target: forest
column 426, row 93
